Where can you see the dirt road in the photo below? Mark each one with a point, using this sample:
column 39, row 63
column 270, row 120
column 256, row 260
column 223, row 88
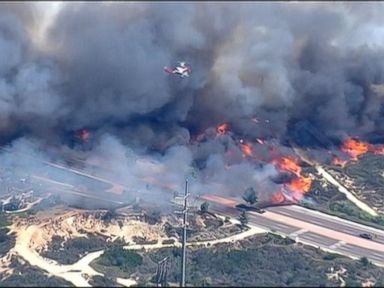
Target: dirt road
column 75, row 273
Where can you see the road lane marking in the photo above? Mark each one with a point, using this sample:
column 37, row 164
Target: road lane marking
column 337, row 244
column 329, row 233
column 317, row 237
column 333, row 217
column 298, row 232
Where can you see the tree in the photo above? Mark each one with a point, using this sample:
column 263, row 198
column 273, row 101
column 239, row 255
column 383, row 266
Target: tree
column 364, row 260
column 153, row 217
column 204, row 207
column 249, row 196
column 243, row 218
column 120, row 223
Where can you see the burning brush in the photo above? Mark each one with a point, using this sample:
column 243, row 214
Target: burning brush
column 354, row 148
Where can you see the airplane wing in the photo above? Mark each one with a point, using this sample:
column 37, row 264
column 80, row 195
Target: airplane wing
column 169, row 70
column 182, row 71
column 187, row 71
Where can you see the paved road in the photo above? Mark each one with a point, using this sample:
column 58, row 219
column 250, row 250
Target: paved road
column 311, row 227
column 328, row 221
column 304, row 225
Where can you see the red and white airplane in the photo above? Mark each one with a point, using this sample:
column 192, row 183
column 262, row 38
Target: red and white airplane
column 182, row 70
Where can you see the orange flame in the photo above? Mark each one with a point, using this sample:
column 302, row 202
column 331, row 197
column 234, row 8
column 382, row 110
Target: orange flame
column 222, row 128
column 278, row 198
column 288, row 164
column 246, row 149
column 300, row 184
column 355, row 148
column 297, row 186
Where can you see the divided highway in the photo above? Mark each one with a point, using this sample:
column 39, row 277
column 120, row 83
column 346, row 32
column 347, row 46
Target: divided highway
column 303, row 225
column 311, row 227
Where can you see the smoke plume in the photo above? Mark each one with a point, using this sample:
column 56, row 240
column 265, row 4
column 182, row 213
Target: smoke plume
column 99, row 67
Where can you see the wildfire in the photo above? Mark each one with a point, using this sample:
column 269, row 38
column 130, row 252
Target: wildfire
column 300, row 184
column 339, row 162
column 278, row 198
column 222, row 128
column 288, row 164
column 355, row 148
column 246, row 149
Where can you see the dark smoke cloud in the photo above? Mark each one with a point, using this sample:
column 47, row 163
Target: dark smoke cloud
column 101, row 68
column 283, row 60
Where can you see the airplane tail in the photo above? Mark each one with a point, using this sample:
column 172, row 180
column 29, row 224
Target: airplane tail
column 168, row 70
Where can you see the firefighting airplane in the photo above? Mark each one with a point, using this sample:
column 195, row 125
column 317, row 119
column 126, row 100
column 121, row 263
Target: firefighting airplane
column 183, row 70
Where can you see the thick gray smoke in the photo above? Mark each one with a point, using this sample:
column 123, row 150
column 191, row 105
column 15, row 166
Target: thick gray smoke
column 100, row 67
column 285, row 61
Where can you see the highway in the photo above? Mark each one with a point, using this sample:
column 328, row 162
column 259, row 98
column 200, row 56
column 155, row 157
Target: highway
column 325, row 220
column 311, row 227
column 304, row 225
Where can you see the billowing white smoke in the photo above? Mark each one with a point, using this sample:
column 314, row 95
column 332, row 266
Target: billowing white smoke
column 157, row 173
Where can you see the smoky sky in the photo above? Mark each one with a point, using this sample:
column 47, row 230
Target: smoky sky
column 99, row 66
column 315, row 61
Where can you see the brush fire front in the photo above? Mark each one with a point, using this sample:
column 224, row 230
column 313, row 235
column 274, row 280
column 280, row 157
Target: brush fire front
column 292, row 187
column 292, row 180
column 352, row 148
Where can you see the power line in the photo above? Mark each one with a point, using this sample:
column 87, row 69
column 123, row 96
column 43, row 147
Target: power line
column 161, row 273
column 184, row 212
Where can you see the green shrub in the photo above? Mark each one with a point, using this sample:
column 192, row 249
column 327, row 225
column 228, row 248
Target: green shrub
column 331, row 256
column 118, row 256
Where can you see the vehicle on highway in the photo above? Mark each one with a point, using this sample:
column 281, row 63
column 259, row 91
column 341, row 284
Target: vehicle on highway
column 366, row 236
column 261, row 211
column 249, row 208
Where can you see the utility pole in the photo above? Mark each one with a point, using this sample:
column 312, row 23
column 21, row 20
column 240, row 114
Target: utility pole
column 184, row 239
